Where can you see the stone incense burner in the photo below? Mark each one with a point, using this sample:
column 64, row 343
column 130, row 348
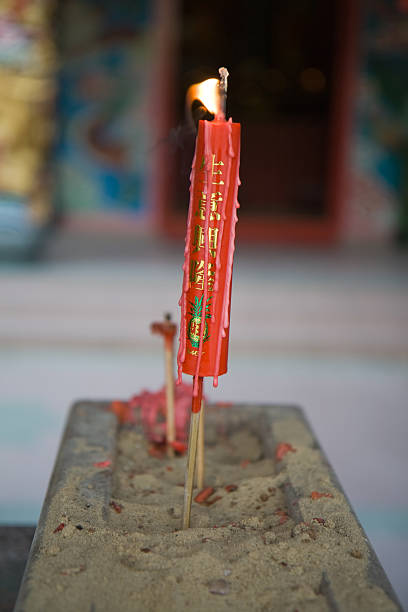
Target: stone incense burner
column 276, row 531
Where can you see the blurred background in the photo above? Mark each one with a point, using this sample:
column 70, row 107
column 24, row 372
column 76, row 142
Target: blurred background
column 94, row 168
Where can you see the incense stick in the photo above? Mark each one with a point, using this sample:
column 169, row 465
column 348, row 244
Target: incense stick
column 192, row 453
column 200, row 450
column 170, row 420
column 168, row 329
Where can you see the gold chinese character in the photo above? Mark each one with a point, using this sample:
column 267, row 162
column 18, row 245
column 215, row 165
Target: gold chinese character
column 201, row 206
column 215, row 171
column 215, row 198
column 198, row 241
column 213, row 239
column 214, row 163
column 197, row 274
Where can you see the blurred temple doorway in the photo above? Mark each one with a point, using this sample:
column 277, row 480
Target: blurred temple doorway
column 291, row 66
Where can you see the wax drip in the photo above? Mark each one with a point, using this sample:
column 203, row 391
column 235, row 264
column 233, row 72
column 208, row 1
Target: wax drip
column 149, row 408
column 181, row 355
column 221, row 230
column 224, row 323
column 207, row 156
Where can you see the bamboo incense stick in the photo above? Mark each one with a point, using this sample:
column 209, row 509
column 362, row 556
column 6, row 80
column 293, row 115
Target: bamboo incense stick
column 192, row 453
column 200, row 450
column 168, row 329
column 170, row 420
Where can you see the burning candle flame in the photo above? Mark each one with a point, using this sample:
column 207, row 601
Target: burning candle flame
column 208, row 93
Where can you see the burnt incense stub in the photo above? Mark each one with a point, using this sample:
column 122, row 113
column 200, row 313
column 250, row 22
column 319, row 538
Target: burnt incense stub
column 272, row 529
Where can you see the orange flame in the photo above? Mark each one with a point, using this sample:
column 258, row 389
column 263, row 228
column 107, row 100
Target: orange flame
column 208, row 93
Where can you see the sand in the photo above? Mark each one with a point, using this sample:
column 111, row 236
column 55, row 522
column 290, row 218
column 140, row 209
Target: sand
column 257, row 547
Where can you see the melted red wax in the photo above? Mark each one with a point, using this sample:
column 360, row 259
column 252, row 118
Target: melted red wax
column 117, row 507
column 151, row 406
column 283, row 516
column 157, row 450
column 282, row 449
column 317, row 495
column 186, row 269
column 179, row 447
column 123, row 411
column 231, row 249
column 103, row 464
column 203, row 495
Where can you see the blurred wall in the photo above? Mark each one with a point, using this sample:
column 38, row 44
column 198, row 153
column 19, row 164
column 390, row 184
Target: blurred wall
column 87, row 107
column 377, row 206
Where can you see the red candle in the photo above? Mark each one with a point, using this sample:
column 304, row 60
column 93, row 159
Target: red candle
column 209, row 251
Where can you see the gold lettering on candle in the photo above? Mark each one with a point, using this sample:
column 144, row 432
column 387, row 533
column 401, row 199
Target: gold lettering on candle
column 213, row 239
column 216, row 198
column 216, row 163
column 197, row 274
column 199, row 243
column 214, row 214
column 216, row 171
column 201, row 206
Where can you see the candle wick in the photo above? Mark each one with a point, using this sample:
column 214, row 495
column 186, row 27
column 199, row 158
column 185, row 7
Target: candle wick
column 224, row 74
column 223, row 86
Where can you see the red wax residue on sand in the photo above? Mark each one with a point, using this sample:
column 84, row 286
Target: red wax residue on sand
column 123, row 412
column 103, row 464
column 59, row 528
column 317, row 495
column 149, row 409
column 203, row 495
column 152, row 407
column 117, row 507
column 283, row 516
column 282, row 449
column 179, row 447
column 157, row 450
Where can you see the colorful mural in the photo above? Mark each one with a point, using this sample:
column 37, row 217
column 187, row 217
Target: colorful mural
column 27, row 86
column 103, row 108
column 378, row 207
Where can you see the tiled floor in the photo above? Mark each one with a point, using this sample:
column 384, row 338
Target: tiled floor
column 327, row 330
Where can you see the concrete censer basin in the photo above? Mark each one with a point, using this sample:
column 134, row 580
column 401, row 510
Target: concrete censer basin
column 274, row 532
